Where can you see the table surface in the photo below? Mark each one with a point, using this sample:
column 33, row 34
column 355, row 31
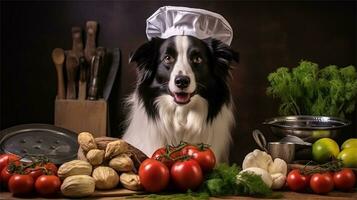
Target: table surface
column 286, row 195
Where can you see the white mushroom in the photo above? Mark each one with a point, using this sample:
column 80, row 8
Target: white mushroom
column 278, row 166
column 276, row 169
column 278, row 180
column 258, row 159
column 267, row 179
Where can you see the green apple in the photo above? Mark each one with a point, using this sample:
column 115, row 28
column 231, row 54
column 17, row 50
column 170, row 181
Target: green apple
column 324, row 150
column 321, row 134
column 352, row 142
column 348, row 157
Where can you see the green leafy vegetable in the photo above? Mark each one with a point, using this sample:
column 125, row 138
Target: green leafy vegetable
column 226, row 180
column 308, row 90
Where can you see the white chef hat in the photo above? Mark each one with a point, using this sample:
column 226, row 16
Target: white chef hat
column 171, row 20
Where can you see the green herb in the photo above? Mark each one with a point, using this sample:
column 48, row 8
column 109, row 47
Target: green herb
column 226, row 180
column 308, row 90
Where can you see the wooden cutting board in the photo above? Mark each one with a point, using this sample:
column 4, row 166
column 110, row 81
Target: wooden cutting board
column 115, row 193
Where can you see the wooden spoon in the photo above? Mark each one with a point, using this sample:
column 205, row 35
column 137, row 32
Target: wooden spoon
column 58, row 59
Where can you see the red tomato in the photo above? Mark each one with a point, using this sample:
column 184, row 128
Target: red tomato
column 296, row 181
column 344, row 179
column 34, row 172
column 162, row 155
column 321, row 183
column 204, row 157
column 154, row 175
column 5, row 159
column 186, row 174
column 20, row 184
column 52, row 168
column 5, row 176
column 47, row 184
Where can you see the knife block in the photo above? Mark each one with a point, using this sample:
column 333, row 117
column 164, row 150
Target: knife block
column 82, row 115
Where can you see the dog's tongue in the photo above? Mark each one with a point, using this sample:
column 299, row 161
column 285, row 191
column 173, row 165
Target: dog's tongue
column 182, row 98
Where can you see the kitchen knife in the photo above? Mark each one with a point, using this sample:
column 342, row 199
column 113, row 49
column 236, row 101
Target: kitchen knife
column 95, row 72
column 112, row 73
column 72, row 69
column 58, row 58
column 89, row 51
column 82, row 88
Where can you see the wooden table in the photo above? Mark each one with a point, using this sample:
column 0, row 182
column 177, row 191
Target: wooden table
column 286, row 195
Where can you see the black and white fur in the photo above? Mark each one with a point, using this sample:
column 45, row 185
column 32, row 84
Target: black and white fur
column 182, row 95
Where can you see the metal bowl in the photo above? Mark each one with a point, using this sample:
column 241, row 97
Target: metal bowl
column 308, row 128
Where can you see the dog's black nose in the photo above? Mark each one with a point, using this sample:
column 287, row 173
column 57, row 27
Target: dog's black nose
column 182, row 81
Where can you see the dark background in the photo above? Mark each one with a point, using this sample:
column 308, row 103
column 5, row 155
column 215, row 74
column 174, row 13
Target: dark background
column 267, row 35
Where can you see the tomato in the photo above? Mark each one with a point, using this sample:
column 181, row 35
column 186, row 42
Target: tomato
column 5, row 159
column 204, row 156
column 5, row 176
column 186, row 174
column 34, row 172
column 161, row 154
column 344, row 179
column 20, row 184
column 296, row 181
column 51, row 167
column 154, row 175
column 47, row 184
column 321, row 183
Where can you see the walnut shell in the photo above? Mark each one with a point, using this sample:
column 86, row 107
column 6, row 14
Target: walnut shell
column 115, row 148
column 95, row 156
column 105, row 178
column 86, row 141
column 74, row 167
column 130, row 181
column 78, row 186
column 122, row 163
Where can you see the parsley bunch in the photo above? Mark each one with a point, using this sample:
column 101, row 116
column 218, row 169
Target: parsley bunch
column 309, row 90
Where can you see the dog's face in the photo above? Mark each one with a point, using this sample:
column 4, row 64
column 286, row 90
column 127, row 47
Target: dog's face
column 183, row 66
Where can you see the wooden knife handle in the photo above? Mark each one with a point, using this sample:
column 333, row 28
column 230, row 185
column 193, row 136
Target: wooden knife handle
column 89, row 51
column 77, row 43
column 72, row 68
column 82, row 88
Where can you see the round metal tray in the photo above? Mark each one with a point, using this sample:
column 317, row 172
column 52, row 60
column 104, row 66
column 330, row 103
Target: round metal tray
column 308, row 128
column 58, row 144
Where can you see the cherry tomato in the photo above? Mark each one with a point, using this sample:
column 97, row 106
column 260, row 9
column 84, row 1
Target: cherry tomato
column 34, row 172
column 186, row 174
column 5, row 159
column 154, row 175
column 344, row 179
column 47, row 184
column 296, row 181
column 5, row 176
column 204, row 156
column 51, row 167
column 321, row 183
column 20, row 184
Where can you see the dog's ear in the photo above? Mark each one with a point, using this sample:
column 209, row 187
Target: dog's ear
column 146, row 57
column 222, row 55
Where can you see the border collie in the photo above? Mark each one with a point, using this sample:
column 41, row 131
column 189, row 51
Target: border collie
column 182, row 95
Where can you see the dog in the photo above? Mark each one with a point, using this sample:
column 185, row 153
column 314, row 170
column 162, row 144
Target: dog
column 182, row 94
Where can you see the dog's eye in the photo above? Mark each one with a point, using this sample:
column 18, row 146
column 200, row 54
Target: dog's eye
column 197, row 60
column 169, row 59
